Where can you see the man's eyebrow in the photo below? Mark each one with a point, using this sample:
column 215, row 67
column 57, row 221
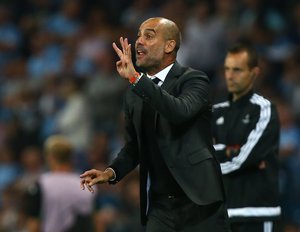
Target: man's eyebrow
column 149, row 30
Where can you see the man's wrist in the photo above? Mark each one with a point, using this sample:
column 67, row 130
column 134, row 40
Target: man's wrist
column 111, row 174
column 134, row 78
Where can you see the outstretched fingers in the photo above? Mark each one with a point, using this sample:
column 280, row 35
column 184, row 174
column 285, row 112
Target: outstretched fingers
column 123, row 44
column 117, row 50
column 124, row 66
column 127, row 48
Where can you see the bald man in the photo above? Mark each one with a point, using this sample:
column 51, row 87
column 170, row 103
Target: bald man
column 168, row 134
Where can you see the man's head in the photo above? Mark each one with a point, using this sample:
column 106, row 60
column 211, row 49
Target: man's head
column 58, row 151
column 157, row 43
column 241, row 69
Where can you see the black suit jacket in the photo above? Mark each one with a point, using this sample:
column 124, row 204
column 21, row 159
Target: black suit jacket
column 183, row 134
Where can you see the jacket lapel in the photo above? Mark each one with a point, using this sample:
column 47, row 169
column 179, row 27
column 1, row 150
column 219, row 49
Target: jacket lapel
column 169, row 82
column 172, row 76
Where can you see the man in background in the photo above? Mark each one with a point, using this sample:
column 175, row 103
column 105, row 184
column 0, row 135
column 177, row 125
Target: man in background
column 54, row 203
column 246, row 134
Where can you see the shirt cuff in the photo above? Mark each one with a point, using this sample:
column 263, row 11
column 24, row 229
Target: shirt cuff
column 114, row 177
column 219, row 147
column 137, row 79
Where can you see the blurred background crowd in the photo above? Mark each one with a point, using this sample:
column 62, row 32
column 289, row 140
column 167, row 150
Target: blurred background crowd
column 57, row 76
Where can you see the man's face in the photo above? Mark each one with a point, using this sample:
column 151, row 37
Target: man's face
column 150, row 45
column 239, row 77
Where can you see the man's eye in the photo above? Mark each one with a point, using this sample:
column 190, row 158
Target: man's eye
column 237, row 70
column 148, row 36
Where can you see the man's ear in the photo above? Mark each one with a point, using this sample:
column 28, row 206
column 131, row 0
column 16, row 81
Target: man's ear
column 170, row 46
column 255, row 72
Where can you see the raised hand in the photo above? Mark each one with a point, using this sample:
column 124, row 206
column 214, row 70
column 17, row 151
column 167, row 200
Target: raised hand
column 124, row 66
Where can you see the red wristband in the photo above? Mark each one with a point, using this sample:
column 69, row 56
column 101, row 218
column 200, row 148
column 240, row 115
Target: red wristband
column 133, row 79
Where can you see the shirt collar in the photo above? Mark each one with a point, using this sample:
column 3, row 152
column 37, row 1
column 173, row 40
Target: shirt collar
column 243, row 99
column 161, row 75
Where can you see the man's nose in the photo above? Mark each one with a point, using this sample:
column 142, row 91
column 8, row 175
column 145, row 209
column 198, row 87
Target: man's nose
column 139, row 40
column 229, row 75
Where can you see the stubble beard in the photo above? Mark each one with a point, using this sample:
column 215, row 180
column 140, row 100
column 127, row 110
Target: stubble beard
column 149, row 65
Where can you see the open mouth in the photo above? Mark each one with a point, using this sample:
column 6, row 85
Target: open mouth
column 140, row 53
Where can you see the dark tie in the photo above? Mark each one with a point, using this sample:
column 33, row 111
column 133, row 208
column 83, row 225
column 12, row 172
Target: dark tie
column 156, row 80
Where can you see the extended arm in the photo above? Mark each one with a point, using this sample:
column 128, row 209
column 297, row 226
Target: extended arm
column 193, row 96
column 126, row 160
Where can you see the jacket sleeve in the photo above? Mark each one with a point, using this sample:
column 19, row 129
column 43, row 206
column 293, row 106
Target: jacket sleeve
column 261, row 142
column 221, row 152
column 193, row 97
column 128, row 158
